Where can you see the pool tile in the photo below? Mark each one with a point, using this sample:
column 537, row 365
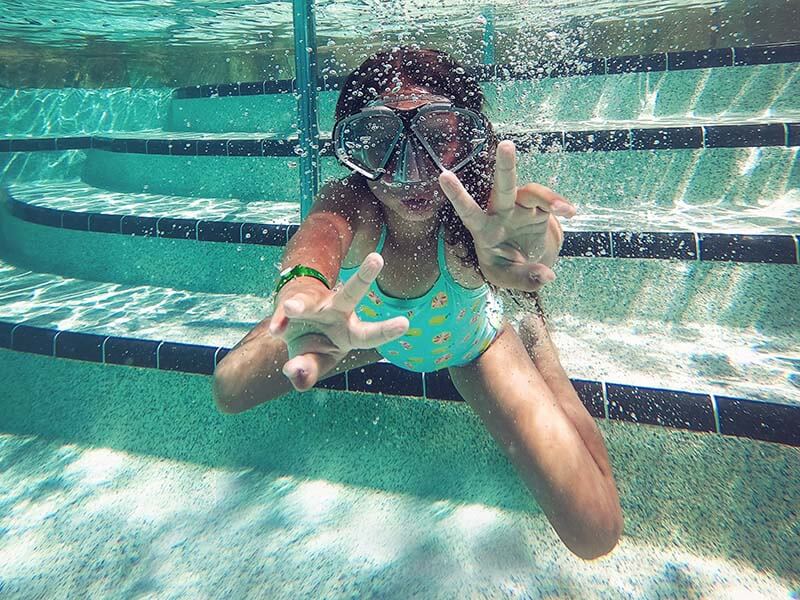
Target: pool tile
column 41, row 215
column 282, row 86
column 251, row 88
column 184, row 147
column 136, row 146
column 759, row 420
column 744, row 136
column 159, row 146
column 219, row 231
column 681, row 246
column 228, row 89
column 5, row 145
column 439, row 386
column 37, row 340
column 221, row 353
column 793, row 134
column 5, row 334
column 762, row 55
column 588, row 244
column 291, row 230
column 272, row 147
column 700, row 59
column 636, row 63
column 334, row 382
column 245, row 148
column 385, row 378
column 75, row 220
column 602, row 141
column 545, row 141
column 140, row 226
column 73, row 143
column 131, row 352
column 666, row 408
column 80, row 346
column 32, row 144
column 264, row 234
column 667, row 137
column 591, row 394
column 748, row 248
column 102, row 223
column 177, row 229
column 101, row 143
column 212, row 148
column 186, row 358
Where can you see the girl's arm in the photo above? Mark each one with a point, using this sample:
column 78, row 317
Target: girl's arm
column 251, row 372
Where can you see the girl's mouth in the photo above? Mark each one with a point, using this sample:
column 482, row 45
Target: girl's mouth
column 417, row 203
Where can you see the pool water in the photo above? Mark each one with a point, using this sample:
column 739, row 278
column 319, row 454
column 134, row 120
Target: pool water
column 140, row 229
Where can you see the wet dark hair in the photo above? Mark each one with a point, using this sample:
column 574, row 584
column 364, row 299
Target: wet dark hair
column 435, row 70
column 384, row 71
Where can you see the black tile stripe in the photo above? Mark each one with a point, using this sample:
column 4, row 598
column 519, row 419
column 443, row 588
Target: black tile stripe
column 682, row 246
column 769, row 54
column 653, row 406
column 385, row 378
column 80, row 346
column 780, row 249
column 670, row 408
column 130, row 352
column 5, row 334
column 36, row 340
column 601, row 140
column 580, row 66
column 671, row 138
column 759, row 420
column 641, row 63
column 586, row 244
column 700, row 59
column 439, row 386
column 744, row 136
column 186, row 358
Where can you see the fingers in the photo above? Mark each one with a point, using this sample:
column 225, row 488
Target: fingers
column 355, row 288
column 534, row 195
column 304, row 370
column 464, row 204
column 365, row 335
column 505, row 179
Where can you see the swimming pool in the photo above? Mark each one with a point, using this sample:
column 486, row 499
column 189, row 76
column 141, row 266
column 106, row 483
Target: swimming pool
column 145, row 204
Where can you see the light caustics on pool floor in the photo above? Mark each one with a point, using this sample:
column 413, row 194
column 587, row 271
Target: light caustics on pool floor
column 141, row 525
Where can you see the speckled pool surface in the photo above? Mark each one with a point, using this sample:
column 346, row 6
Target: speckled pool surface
column 149, row 492
column 125, row 482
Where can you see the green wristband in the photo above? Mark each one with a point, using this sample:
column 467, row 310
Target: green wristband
column 299, row 271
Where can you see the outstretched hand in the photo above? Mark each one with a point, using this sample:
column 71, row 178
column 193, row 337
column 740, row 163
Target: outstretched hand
column 511, row 236
column 320, row 326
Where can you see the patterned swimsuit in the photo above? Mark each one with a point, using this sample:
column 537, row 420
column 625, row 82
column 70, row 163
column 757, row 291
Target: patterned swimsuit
column 449, row 326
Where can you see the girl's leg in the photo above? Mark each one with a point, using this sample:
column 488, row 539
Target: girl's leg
column 535, row 431
column 543, row 353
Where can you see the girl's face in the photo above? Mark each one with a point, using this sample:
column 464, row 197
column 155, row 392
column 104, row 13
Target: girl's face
column 413, row 201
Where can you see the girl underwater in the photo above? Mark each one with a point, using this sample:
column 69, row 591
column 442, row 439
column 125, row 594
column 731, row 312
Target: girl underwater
column 418, row 253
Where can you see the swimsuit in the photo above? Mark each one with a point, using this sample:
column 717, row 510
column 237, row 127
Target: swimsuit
column 449, row 326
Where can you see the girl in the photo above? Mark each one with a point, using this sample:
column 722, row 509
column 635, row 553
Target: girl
column 418, row 251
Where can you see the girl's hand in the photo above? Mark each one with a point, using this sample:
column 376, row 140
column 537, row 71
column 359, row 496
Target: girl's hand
column 320, row 327
column 510, row 237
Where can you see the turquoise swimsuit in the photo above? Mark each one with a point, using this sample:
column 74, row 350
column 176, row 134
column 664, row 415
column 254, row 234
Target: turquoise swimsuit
column 450, row 325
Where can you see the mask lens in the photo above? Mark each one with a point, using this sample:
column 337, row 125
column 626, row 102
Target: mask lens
column 452, row 137
column 367, row 141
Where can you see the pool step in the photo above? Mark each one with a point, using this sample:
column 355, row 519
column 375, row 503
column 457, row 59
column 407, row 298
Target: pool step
column 669, row 96
column 708, row 358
